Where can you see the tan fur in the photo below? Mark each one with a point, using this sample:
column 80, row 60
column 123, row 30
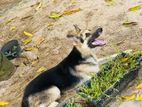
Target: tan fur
column 46, row 97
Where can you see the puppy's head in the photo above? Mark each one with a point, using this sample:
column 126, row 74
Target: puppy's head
column 87, row 40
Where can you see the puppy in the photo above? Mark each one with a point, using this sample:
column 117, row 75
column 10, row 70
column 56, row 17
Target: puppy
column 46, row 88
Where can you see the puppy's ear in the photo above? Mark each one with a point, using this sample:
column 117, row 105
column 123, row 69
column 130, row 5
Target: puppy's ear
column 73, row 38
column 78, row 30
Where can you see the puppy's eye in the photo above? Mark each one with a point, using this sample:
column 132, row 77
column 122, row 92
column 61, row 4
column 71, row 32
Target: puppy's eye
column 87, row 34
column 81, row 40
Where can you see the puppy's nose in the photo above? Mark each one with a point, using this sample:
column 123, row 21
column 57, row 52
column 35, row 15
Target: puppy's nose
column 99, row 30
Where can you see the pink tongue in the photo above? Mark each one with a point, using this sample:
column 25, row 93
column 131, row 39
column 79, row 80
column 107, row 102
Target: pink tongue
column 98, row 42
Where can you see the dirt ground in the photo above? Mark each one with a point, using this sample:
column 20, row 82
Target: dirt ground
column 17, row 16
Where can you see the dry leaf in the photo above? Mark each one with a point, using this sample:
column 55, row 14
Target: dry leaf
column 109, row 2
column 3, row 103
column 73, row 1
column 41, row 69
column 21, row 75
column 8, row 21
column 39, row 6
column 138, row 7
column 139, row 97
column 54, row 1
column 28, row 34
column 68, row 12
column 23, row 18
column 13, row 28
column 130, row 97
column 28, row 49
column 27, row 41
column 39, row 41
column 50, row 24
column 55, row 15
column 35, row 62
column 139, row 86
column 128, row 24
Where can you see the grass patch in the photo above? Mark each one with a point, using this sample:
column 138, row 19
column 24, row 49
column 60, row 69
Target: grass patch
column 111, row 72
column 71, row 103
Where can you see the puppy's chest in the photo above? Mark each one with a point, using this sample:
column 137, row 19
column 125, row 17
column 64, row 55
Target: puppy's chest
column 87, row 68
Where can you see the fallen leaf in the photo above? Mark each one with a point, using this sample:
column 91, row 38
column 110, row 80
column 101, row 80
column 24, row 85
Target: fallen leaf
column 23, row 18
column 21, row 75
column 41, row 69
column 138, row 7
column 124, row 59
column 28, row 34
column 130, row 97
column 39, row 41
column 109, row 2
column 39, row 6
column 120, row 42
column 128, row 24
column 54, row 1
column 13, row 28
column 3, row 103
column 28, row 49
column 35, row 62
column 139, row 97
column 55, row 15
column 8, row 21
column 139, row 86
column 69, row 12
column 27, row 41
column 50, row 24
column 73, row 1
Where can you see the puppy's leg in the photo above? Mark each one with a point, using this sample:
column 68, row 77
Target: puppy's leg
column 45, row 98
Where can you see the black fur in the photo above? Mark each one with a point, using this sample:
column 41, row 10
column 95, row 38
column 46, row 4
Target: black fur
column 59, row 76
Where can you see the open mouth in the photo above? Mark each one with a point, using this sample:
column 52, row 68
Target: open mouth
column 98, row 42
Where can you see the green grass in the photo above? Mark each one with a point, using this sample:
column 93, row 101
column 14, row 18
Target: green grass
column 71, row 103
column 110, row 73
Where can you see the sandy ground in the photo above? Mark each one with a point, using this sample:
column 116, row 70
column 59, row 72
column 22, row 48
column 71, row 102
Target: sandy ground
column 23, row 16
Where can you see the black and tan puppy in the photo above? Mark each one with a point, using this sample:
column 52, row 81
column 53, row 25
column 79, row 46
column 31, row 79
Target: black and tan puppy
column 47, row 87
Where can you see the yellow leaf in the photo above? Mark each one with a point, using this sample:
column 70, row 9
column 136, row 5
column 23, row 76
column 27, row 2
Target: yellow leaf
column 3, row 103
column 54, row 1
column 124, row 59
column 68, row 12
column 8, row 21
column 13, row 28
column 138, row 7
column 139, row 86
column 73, row 1
column 28, row 34
column 139, row 97
column 35, row 62
column 130, row 97
column 55, row 15
column 41, row 69
column 39, row 6
column 109, row 2
column 27, row 41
